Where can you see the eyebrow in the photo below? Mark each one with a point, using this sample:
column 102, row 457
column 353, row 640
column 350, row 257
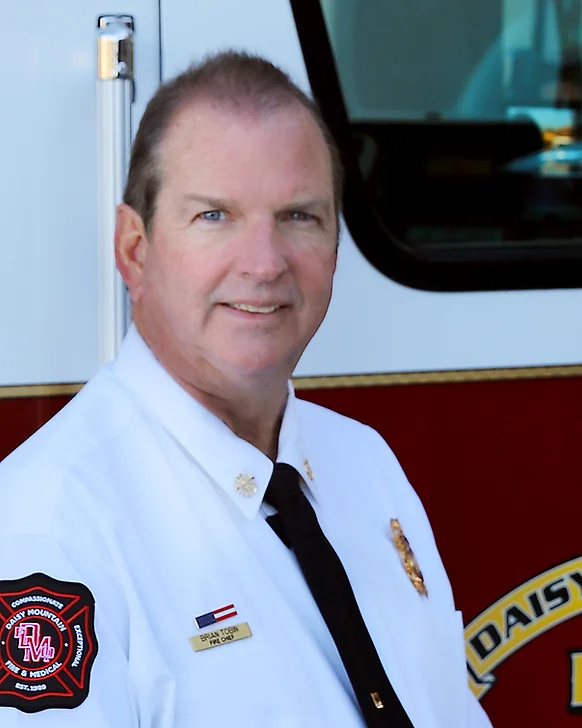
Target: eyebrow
column 315, row 204
column 214, row 202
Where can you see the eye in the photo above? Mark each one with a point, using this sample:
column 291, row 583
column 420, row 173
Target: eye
column 301, row 216
column 213, row 215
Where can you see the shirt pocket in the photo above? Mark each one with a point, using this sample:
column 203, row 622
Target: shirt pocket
column 235, row 684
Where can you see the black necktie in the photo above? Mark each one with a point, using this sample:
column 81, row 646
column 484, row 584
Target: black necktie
column 298, row 528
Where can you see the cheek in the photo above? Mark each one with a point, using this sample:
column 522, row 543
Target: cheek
column 181, row 282
column 164, row 282
column 318, row 278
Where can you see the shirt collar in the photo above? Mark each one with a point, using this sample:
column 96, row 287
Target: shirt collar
column 220, row 453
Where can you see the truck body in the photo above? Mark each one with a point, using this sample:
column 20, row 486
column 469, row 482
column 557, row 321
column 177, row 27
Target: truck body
column 458, row 335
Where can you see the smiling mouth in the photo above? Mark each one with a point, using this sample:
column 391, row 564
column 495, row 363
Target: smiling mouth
column 253, row 309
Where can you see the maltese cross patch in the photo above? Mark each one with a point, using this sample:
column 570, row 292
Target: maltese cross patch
column 47, row 643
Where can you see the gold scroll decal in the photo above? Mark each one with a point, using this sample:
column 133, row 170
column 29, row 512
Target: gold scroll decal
column 519, row 617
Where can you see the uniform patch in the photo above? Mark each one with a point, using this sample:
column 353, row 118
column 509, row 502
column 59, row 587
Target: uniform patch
column 47, row 643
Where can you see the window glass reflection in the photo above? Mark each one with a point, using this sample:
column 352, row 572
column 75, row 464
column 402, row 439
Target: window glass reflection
column 466, row 116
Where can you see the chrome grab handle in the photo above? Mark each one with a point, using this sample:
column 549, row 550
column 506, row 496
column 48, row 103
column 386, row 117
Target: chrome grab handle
column 114, row 99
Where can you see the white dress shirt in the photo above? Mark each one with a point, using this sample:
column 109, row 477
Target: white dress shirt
column 132, row 491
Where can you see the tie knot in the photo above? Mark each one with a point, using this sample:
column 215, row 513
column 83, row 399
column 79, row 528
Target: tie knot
column 283, row 486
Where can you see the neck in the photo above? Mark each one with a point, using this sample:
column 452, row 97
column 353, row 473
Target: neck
column 251, row 406
column 254, row 414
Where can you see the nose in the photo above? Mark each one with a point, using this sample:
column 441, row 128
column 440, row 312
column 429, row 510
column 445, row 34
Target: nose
column 261, row 252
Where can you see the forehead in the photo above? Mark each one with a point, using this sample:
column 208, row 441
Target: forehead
column 207, row 143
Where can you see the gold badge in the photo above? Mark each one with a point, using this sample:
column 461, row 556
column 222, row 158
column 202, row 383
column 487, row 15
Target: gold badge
column 218, row 637
column 308, row 469
column 245, row 485
column 408, row 558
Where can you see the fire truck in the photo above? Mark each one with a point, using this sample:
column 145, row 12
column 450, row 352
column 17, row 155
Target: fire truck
column 455, row 325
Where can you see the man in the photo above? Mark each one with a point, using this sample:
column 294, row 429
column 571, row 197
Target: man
column 151, row 579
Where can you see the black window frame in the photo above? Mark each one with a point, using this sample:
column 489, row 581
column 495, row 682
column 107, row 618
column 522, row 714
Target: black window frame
column 474, row 268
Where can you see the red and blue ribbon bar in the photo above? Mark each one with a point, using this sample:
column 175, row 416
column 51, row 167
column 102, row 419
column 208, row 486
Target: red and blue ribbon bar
column 216, row 615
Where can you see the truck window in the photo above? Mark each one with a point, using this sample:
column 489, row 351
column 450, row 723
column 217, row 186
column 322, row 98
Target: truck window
column 460, row 124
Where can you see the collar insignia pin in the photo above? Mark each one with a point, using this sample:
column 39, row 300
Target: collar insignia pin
column 245, row 485
column 308, row 469
column 407, row 557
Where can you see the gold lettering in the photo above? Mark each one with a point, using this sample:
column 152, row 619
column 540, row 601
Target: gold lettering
column 520, row 616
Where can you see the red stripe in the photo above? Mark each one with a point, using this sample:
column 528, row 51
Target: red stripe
column 216, row 611
column 225, row 616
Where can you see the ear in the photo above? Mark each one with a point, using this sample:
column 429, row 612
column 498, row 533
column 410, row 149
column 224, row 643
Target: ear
column 131, row 247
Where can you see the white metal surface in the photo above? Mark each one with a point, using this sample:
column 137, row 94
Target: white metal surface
column 48, row 186
column 374, row 324
column 48, row 205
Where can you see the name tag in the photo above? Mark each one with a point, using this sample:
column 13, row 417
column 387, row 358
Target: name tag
column 218, row 637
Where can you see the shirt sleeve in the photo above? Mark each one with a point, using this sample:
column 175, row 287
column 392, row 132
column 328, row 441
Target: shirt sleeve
column 478, row 718
column 63, row 646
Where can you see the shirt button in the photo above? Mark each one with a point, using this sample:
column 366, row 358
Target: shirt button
column 245, row 485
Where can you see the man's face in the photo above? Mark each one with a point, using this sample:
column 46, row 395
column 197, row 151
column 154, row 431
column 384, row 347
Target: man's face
column 236, row 273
